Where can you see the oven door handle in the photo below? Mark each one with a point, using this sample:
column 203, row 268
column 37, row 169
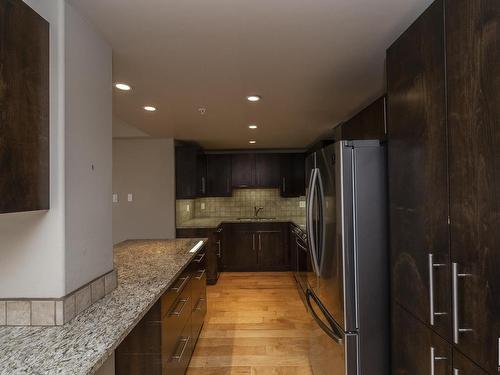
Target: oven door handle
column 331, row 331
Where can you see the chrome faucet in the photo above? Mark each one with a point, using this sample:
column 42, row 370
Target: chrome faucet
column 256, row 210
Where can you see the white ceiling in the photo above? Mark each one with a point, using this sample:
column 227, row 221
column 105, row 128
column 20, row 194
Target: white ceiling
column 314, row 63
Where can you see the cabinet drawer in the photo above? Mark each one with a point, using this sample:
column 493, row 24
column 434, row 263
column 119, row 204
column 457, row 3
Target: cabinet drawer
column 176, row 319
column 178, row 355
column 174, row 292
column 199, row 313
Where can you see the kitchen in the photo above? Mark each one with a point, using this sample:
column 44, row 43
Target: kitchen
column 231, row 197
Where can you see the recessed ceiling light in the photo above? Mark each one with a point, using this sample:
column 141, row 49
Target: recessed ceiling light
column 253, row 98
column 123, row 86
column 252, row 126
column 252, row 142
column 149, row 108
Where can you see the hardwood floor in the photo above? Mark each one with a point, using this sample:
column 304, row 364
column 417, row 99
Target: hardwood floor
column 256, row 325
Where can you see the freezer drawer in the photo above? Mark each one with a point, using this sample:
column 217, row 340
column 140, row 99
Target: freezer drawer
column 331, row 351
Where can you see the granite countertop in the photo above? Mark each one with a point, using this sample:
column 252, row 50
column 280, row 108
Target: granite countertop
column 214, row 222
column 146, row 268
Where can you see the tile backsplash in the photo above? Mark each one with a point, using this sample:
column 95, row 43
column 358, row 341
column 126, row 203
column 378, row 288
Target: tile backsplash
column 241, row 204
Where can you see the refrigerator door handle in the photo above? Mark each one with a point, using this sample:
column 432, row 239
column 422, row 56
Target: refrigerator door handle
column 321, row 240
column 332, row 331
column 311, row 234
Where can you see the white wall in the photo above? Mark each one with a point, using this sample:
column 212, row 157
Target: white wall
column 32, row 244
column 121, row 129
column 89, row 245
column 145, row 168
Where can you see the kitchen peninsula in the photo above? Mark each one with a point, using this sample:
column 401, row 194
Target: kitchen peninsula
column 146, row 270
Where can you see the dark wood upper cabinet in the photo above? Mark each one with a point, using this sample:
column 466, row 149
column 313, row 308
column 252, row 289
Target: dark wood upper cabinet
column 367, row 124
column 292, row 175
column 219, row 176
column 417, row 168
column 243, row 170
column 416, row 348
column 201, row 171
column 186, row 172
column 473, row 60
column 267, row 170
column 24, row 108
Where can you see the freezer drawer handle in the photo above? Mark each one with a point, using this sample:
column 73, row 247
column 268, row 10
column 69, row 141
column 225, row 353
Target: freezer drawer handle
column 433, row 265
column 434, row 359
column 329, row 331
column 200, row 258
column 456, row 324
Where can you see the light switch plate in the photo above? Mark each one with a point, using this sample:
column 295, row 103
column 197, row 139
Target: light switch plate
column 203, row 206
column 302, row 204
column 115, row 198
column 130, row 197
column 188, row 208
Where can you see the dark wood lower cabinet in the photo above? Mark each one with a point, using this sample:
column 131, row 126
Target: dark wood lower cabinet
column 254, row 247
column 417, row 350
column 163, row 341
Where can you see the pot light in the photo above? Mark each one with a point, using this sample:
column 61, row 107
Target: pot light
column 149, row 108
column 252, row 142
column 123, row 86
column 252, row 126
column 253, row 98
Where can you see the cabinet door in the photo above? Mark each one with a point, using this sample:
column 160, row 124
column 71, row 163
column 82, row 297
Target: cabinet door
column 473, row 59
column 272, row 253
column 417, row 162
column 464, row 366
column 292, row 172
column 267, row 170
column 201, row 171
column 219, row 175
column 240, row 249
column 416, row 349
column 367, row 124
column 186, row 172
column 243, row 170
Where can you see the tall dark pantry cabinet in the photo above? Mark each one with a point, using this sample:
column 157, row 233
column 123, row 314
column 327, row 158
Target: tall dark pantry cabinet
column 443, row 108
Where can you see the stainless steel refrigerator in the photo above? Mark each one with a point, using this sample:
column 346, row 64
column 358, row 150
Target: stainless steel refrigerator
column 348, row 288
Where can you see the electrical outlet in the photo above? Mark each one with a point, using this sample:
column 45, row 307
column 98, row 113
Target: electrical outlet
column 188, row 208
column 130, row 197
column 115, row 198
column 302, row 204
column 203, row 206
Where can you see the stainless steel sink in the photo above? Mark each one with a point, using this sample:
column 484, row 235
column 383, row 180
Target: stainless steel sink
column 256, row 218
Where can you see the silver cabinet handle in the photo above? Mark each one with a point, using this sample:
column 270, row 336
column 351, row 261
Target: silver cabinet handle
column 253, row 241
column 181, row 286
column 176, row 312
column 284, row 184
column 199, row 259
column 219, row 251
column 434, row 359
column 260, row 242
column 203, row 185
column 200, row 303
column 433, row 265
column 456, row 371
column 201, row 272
column 184, row 342
column 456, row 323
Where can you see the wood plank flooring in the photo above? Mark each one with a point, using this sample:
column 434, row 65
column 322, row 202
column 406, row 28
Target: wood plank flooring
column 256, row 325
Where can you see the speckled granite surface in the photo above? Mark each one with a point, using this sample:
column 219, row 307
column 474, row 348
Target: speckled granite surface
column 146, row 268
column 214, row 222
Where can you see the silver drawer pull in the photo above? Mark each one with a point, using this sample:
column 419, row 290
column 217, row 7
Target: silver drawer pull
column 183, row 343
column 200, row 258
column 200, row 303
column 456, row 324
column 433, row 265
column 182, row 284
column 434, row 358
column 176, row 312
column 201, row 272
